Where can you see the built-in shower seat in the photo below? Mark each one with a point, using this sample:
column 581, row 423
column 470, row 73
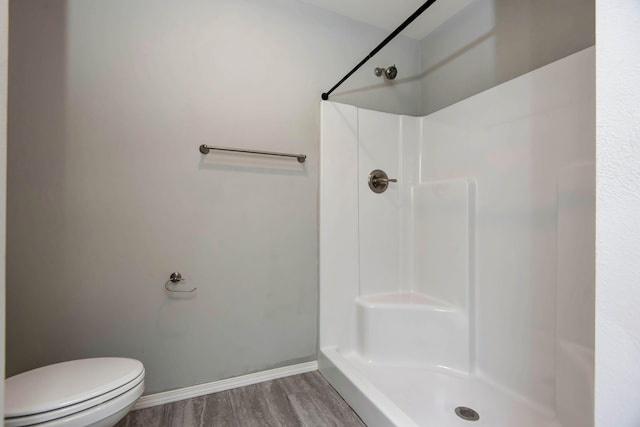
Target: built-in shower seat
column 412, row 329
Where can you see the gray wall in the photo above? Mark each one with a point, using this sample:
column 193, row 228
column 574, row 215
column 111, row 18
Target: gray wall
column 107, row 193
column 493, row 41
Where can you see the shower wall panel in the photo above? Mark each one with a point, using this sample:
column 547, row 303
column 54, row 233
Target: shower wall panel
column 380, row 214
column 443, row 215
column 339, row 255
column 514, row 141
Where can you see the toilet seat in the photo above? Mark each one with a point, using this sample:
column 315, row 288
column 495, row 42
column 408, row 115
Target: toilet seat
column 71, row 388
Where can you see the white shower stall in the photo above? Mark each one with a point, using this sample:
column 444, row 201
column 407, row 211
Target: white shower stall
column 469, row 282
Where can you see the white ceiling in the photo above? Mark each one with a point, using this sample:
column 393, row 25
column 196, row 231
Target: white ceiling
column 390, row 14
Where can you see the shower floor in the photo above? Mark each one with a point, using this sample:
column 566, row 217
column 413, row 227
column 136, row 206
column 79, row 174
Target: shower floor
column 424, row 397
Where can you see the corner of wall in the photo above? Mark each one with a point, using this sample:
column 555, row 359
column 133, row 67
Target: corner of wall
column 4, row 51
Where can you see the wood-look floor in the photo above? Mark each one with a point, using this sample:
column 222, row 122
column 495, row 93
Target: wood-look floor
column 301, row 400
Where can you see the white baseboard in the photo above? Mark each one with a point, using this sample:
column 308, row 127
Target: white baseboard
column 222, row 385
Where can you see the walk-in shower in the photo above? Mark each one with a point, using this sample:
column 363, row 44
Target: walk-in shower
column 463, row 294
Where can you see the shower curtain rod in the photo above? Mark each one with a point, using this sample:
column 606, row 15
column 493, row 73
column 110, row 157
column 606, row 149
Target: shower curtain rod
column 391, row 36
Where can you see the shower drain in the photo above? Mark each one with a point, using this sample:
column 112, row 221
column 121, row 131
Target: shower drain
column 467, row 414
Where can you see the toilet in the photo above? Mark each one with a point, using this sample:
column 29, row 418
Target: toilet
column 80, row 393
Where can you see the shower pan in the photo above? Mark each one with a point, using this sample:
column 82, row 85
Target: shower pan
column 463, row 294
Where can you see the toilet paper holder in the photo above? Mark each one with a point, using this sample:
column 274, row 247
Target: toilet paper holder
column 175, row 279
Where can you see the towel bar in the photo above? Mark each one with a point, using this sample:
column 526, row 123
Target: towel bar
column 204, row 149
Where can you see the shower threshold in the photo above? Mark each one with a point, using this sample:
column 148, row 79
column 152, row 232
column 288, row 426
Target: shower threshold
column 385, row 395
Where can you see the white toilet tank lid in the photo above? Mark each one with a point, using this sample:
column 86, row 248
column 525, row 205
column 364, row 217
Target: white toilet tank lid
column 68, row 383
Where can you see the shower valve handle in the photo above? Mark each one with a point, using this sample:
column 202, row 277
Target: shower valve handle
column 384, row 180
column 379, row 181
